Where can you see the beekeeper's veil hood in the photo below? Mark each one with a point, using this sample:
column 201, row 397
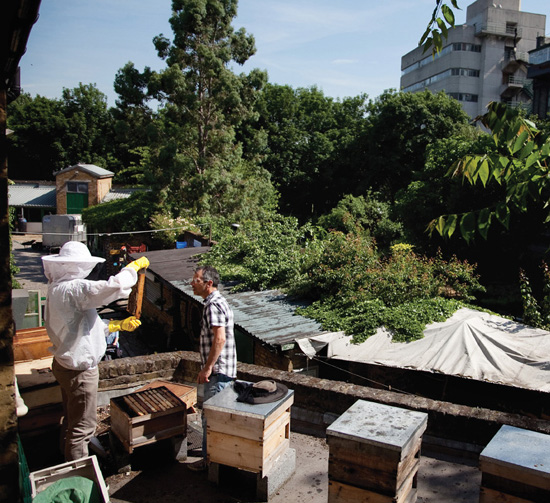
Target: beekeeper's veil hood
column 74, row 261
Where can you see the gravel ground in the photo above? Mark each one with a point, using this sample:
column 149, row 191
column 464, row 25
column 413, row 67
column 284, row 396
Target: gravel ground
column 31, row 275
column 154, row 477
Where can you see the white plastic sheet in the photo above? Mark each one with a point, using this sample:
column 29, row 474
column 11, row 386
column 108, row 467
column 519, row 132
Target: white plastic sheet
column 471, row 344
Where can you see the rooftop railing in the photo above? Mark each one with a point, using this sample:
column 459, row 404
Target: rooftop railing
column 501, row 29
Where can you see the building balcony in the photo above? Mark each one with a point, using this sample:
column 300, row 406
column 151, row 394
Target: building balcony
column 498, row 29
column 514, row 60
column 512, row 86
column 518, row 104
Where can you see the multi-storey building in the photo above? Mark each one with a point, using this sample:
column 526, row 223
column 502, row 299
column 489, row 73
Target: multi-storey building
column 481, row 61
column 539, row 71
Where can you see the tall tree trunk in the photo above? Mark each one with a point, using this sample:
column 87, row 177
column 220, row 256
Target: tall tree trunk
column 9, row 456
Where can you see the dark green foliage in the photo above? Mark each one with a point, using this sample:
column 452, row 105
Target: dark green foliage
column 36, row 148
column 531, row 310
column 13, row 268
column 122, row 215
column 432, row 191
column 403, row 125
column 195, row 162
column 534, row 314
column 352, row 288
column 363, row 214
column 50, row 134
column 90, row 126
column 313, row 149
column 518, row 163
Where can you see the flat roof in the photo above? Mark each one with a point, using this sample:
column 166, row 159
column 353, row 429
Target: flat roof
column 32, row 195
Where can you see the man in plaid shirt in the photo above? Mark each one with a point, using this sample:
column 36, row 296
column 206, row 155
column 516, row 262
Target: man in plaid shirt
column 217, row 342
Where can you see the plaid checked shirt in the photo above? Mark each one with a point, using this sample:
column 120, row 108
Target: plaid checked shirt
column 217, row 313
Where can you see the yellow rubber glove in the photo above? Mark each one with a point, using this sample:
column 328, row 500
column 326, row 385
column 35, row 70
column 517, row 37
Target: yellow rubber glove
column 140, row 263
column 128, row 325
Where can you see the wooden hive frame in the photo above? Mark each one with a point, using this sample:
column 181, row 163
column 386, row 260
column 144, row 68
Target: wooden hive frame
column 147, row 416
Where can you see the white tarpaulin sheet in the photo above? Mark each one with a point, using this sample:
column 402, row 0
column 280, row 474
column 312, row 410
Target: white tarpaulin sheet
column 470, row 344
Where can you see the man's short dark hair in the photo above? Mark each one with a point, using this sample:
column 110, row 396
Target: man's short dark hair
column 210, row 273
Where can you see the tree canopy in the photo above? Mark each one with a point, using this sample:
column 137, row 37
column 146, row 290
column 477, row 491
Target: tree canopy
column 313, row 150
column 51, row 134
column 519, row 163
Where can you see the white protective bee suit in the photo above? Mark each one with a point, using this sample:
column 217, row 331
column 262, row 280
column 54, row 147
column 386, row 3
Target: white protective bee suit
column 78, row 335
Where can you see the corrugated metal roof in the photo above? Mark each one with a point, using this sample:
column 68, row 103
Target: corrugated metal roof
column 32, row 195
column 89, row 168
column 178, row 264
column 269, row 315
column 115, row 194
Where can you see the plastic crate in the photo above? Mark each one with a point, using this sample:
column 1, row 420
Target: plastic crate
column 84, row 467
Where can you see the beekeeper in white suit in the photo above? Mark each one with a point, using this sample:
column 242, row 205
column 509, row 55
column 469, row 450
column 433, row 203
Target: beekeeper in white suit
column 78, row 334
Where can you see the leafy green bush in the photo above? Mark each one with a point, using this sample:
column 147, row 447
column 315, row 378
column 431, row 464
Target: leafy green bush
column 14, row 270
column 361, row 317
column 122, row 215
column 357, row 292
column 340, row 262
column 364, row 213
column 260, row 255
column 536, row 315
column 169, row 228
column 351, row 287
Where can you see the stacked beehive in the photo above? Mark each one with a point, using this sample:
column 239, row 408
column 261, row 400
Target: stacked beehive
column 374, row 454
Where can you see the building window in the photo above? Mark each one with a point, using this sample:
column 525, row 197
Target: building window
column 458, row 46
column 77, row 187
column 464, row 72
column 539, row 56
column 467, row 72
column 464, row 97
column 462, row 46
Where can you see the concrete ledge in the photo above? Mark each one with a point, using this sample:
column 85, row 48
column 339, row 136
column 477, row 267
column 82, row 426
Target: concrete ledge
column 318, row 402
column 126, row 372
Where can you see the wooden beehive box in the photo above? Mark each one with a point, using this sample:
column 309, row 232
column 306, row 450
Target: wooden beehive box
column 187, row 394
column 246, row 436
column 31, row 344
column 515, row 466
column 147, row 416
column 374, row 454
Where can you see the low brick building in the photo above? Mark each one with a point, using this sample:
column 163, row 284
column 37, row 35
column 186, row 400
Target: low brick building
column 80, row 186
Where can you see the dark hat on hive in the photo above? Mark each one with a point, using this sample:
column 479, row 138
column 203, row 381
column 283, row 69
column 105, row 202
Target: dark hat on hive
column 260, row 392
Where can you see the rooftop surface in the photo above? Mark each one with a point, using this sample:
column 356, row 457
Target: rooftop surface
column 155, row 476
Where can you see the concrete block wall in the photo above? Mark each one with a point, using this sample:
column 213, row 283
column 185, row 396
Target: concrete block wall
column 128, row 372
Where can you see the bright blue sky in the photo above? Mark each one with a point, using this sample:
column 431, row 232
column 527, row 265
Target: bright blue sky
column 345, row 47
